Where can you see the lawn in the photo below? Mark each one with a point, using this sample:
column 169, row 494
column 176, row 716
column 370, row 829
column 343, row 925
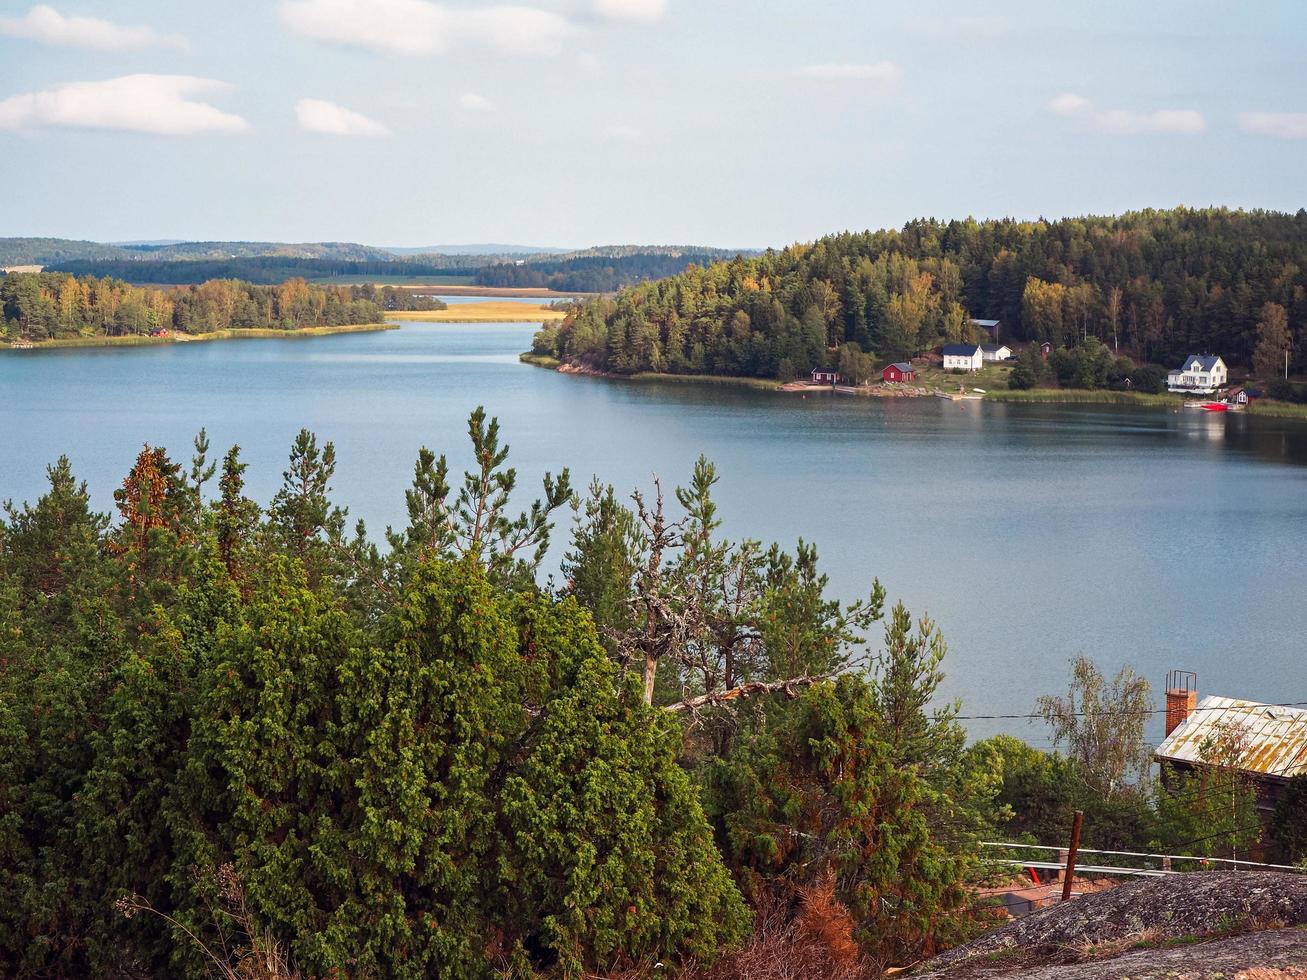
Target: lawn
column 992, row 377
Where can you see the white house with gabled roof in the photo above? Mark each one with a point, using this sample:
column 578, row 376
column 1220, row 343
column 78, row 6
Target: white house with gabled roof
column 1200, row 374
column 963, row 357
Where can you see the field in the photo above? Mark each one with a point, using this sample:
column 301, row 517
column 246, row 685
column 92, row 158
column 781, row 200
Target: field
column 489, row 312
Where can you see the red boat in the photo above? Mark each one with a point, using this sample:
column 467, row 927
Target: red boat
column 1214, row 407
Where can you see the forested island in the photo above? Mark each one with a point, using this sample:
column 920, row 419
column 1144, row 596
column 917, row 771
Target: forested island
column 43, row 307
column 250, row 739
column 1151, row 284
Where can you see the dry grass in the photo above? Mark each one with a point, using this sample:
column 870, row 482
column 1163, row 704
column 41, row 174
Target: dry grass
column 503, row 311
column 812, row 937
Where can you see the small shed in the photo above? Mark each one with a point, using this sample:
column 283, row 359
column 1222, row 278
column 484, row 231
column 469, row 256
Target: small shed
column 995, row 352
column 1045, row 349
column 898, row 372
column 823, row 376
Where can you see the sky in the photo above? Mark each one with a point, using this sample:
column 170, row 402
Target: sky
column 734, row 123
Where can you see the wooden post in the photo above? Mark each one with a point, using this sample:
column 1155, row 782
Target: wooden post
column 1071, row 854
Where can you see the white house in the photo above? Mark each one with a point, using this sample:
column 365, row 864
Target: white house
column 963, row 357
column 995, row 352
column 1199, row 374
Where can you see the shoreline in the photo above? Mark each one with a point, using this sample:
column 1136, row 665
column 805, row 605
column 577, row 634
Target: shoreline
column 242, row 333
column 1084, row 396
column 1030, row 396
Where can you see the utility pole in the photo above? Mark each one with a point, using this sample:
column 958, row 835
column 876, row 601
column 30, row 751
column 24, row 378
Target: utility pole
column 1070, row 871
column 1286, row 364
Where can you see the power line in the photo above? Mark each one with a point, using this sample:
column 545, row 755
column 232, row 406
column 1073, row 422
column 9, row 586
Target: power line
column 1038, row 716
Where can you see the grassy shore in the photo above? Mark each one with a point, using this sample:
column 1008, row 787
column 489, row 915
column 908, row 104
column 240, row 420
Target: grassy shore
column 1077, row 396
column 504, row 311
column 540, row 360
column 262, row 333
column 1278, row 410
column 726, row 380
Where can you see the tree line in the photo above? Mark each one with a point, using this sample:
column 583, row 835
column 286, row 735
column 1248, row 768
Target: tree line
column 595, row 273
column 47, row 305
column 1154, row 284
column 231, row 731
column 264, row 270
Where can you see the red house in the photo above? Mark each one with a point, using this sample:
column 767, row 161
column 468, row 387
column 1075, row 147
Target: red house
column 822, row 376
column 899, row 371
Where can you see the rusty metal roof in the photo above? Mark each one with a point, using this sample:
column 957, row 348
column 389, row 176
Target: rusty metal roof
column 1275, row 736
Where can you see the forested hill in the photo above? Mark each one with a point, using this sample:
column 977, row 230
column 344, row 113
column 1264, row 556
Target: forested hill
column 1160, row 283
column 599, row 270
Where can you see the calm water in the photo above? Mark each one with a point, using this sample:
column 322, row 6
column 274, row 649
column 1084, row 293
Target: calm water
column 1030, row 534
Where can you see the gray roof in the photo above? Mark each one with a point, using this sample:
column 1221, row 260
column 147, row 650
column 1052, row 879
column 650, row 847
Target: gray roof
column 988, row 324
column 961, row 350
column 994, row 348
column 1208, row 361
column 902, row 365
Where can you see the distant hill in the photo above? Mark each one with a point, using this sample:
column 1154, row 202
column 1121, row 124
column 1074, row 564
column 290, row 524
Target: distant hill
column 51, row 251
column 46, row 251
column 484, row 249
column 599, row 269
column 602, row 269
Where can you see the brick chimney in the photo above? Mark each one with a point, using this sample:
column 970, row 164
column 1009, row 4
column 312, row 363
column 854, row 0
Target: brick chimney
column 1181, row 697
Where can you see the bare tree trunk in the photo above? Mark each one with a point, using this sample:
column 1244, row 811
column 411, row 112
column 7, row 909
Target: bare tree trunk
column 788, row 687
column 651, row 586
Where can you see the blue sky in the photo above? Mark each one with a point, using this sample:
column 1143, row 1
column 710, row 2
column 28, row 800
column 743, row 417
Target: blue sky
column 579, row 122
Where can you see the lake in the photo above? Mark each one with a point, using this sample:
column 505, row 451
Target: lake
column 1030, row 533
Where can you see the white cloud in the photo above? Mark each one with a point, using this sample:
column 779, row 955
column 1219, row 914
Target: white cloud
column 1185, row 122
column 1070, row 104
column 156, row 104
column 475, row 103
column 1282, row 125
column 627, row 134
column 45, row 24
column 880, row 71
column 418, row 27
column 632, row 11
column 321, row 116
